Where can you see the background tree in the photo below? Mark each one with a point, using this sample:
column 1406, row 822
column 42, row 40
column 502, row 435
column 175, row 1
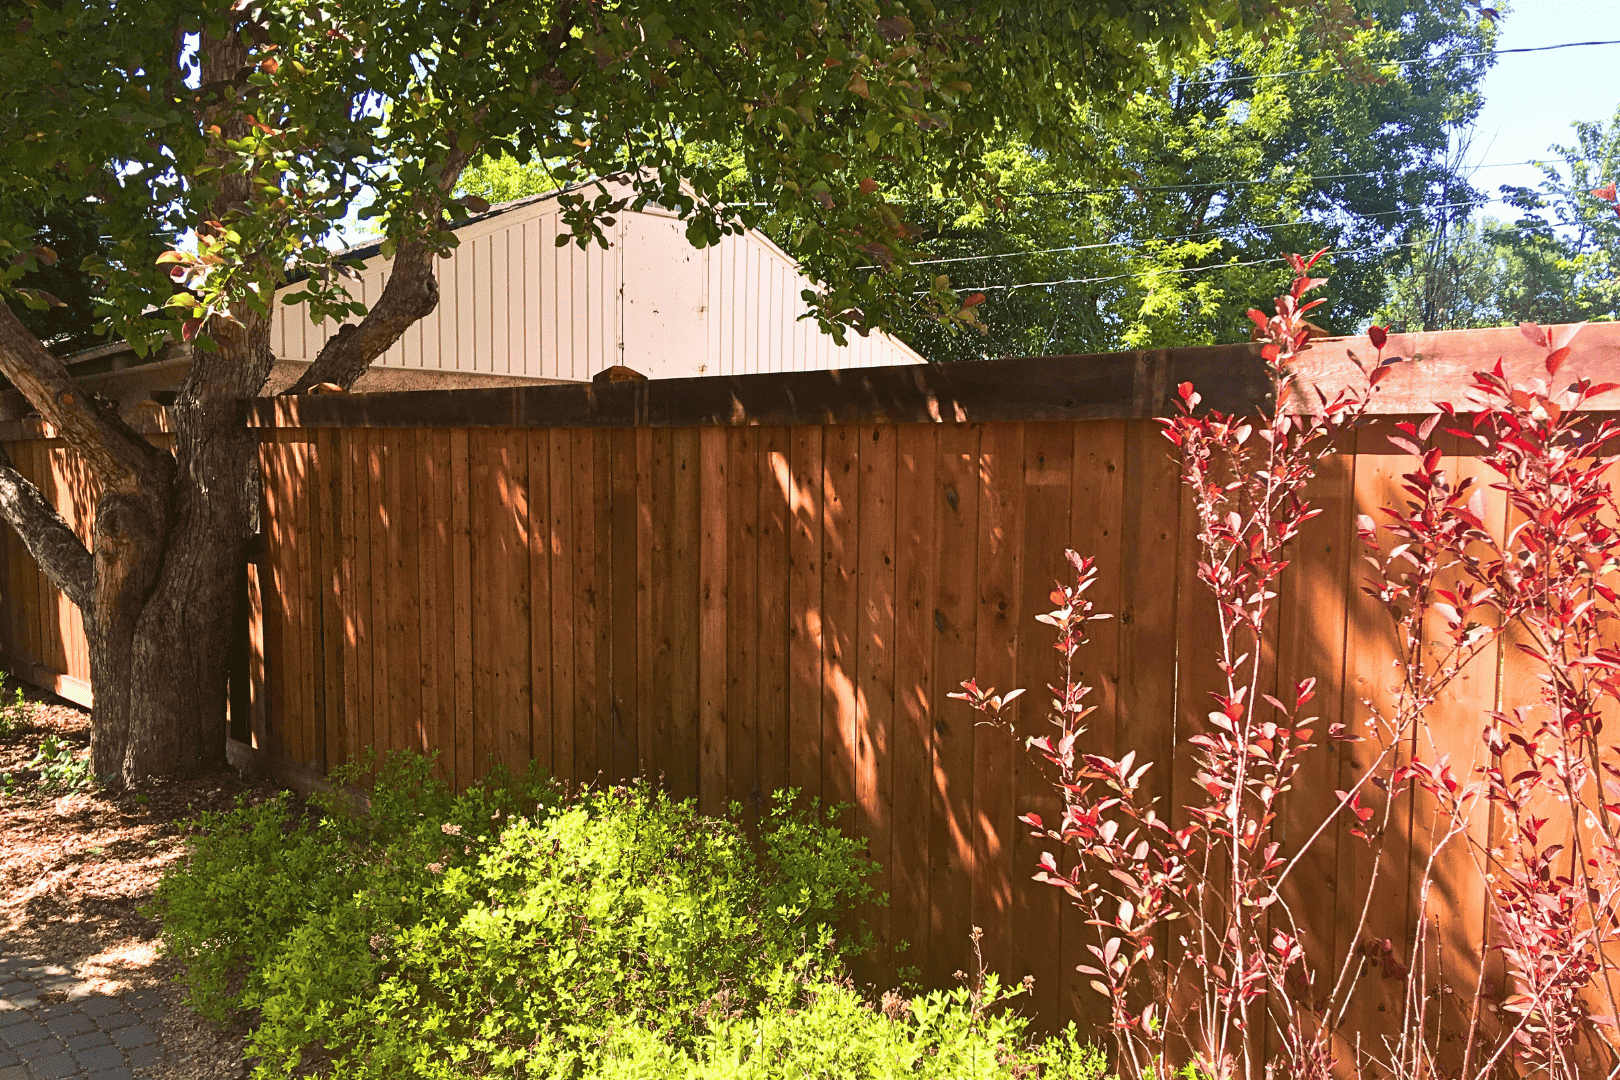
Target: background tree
column 1250, row 146
column 1556, row 263
column 74, row 234
column 249, row 130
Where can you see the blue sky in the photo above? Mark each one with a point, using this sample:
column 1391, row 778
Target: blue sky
column 1532, row 99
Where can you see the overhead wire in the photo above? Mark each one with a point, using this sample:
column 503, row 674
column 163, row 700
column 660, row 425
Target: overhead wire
column 1458, row 55
column 1216, row 233
column 1184, row 269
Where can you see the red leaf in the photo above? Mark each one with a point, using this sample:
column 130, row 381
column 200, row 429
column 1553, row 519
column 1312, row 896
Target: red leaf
column 973, row 301
column 1564, row 335
column 1555, row 360
column 868, row 185
column 1378, row 335
column 1535, row 334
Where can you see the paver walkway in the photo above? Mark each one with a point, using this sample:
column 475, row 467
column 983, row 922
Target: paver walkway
column 87, row 1035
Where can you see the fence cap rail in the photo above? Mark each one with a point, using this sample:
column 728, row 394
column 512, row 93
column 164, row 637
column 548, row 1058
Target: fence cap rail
column 1102, row 386
column 1105, row 386
column 1121, row 385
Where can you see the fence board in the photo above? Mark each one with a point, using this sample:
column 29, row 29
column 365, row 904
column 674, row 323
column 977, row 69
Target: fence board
column 840, row 553
column 467, row 766
column 775, row 571
column 742, row 621
column 329, row 485
column 538, row 453
column 712, row 629
column 587, row 587
column 1097, row 503
column 913, row 731
column 875, row 660
column 950, row 833
column 648, row 730
column 560, row 538
column 686, row 544
column 1370, row 649
column 623, row 713
column 1311, row 602
column 1048, row 481
column 804, row 610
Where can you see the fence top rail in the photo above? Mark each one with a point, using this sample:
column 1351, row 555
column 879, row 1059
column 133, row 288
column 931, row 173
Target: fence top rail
column 1121, row 385
column 1106, row 386
column 1102, row 386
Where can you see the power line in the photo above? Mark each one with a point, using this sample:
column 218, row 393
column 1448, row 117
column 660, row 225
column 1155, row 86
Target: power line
column 1139, row 188
column 1215, row 232
column 1459, row 55
column 1193, row 269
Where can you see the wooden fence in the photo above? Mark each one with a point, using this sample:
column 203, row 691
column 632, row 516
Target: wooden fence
column 747, row 584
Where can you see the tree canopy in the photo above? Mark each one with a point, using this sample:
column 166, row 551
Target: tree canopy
column 368, row 106
column 222, row 145
column 1250, row 148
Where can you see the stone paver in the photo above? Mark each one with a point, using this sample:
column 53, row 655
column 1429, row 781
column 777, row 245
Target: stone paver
column 86, row 1037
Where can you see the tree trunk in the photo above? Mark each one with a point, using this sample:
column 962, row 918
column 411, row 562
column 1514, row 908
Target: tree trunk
column 160, row 645
column 158, row 585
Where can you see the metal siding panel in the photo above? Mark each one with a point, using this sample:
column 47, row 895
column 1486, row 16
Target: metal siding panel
column 443, row 356
column 618, row 290
column 754, row 359
column 714, row 304
column 500, row 300
column 531, row 297
column 782, row 309
column 578, row 326
column 547, row 292
column 665, row 332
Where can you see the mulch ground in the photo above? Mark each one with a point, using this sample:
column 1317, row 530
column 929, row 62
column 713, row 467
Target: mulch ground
column 77, row 867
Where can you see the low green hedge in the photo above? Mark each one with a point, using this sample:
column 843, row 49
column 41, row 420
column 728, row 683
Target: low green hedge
column 519, row 931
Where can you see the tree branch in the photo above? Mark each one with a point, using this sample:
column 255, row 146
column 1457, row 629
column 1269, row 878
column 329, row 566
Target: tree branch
column 122, row 460
column 410, row 295
column 55, row 546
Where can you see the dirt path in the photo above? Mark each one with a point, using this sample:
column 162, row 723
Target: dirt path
column 83, row 991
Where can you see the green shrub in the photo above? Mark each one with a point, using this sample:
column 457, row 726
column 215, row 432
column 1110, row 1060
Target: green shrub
column 435, row 935
column 257, row 875
column 821, row 1029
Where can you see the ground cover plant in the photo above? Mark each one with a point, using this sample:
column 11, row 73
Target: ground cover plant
column 520, row 929
column 1202, row 958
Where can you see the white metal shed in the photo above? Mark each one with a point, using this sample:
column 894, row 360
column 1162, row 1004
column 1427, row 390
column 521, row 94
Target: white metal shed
column 514, row 304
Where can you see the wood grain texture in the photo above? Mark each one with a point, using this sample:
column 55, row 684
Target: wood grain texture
column 804, row 610
column 912, row 732
column 1000, row 620
column 742, row 622
column 1048, row 491
column 775, row 611
column 1097, row 500
column 875, row 660
column 712, row 614
column 955, row 499
column 732, row 608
